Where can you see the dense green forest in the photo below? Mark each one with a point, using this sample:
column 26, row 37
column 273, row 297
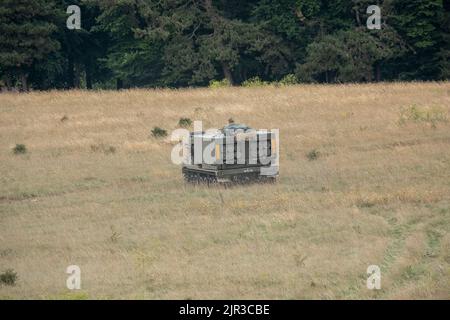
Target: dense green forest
column 179, row 43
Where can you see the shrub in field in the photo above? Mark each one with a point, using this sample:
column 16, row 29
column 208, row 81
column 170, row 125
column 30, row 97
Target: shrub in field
column 288, row 80
column 219, row 83
column 158, row 132
column 184, row 122
column 64, row 118
column 20, row 149
column 254, row 82
column 103, row 148
column 428, row 115
column 362, row 203
column 110, row 149
column 8, row 278
column 313, row 155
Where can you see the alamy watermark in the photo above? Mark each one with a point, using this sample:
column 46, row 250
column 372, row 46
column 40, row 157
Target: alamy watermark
column 73, row 282
column 374, row 279
column 374, row 20
column 73, row 22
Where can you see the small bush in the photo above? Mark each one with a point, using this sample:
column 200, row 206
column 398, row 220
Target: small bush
column 64, row 118
column 103, row 148
column 110, row 149
column 20, row 149
column 254, row 82
column 313, row 155
column 8, row 278
column 365, row 204
column 158, row 132
column 184, row 122
column 288, row 80
column 219, row 83
column 231, row 121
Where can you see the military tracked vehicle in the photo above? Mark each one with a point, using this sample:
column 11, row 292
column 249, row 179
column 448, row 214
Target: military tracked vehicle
column 237, row 153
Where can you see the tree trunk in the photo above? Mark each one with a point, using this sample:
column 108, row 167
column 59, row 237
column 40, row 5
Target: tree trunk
column 358, row 19
column 210, row 10
column 88, row 71
column 24, row 80
column 378, row 72
column 8, row 82
column 227, row 73
column 215, row 21
column 119, row 84
column 369, row 76
column 70, row 73
column 77, row 76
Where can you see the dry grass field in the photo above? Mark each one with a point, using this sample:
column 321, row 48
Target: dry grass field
column 364, row 180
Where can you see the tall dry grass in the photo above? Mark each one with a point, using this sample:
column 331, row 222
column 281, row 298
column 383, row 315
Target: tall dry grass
column 96, row 190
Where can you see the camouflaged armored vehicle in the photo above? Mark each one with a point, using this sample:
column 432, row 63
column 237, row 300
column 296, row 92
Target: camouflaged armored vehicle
column 236, row 153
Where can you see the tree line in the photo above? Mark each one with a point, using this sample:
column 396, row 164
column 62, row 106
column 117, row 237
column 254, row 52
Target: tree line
column 180, row 43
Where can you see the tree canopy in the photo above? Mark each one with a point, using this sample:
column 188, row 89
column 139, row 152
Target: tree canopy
column 179, row 43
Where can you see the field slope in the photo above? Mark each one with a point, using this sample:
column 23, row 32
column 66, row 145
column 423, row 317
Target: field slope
column 365, row 180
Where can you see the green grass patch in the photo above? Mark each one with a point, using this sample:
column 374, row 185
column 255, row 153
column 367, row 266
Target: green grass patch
column 8, row 278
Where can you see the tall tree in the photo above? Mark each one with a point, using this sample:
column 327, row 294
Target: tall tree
column 417, row 21
column 353, row 53
column 444, row 51
column 81, row 48
column 133, row 60
column 203, row 41
column 26, row 36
